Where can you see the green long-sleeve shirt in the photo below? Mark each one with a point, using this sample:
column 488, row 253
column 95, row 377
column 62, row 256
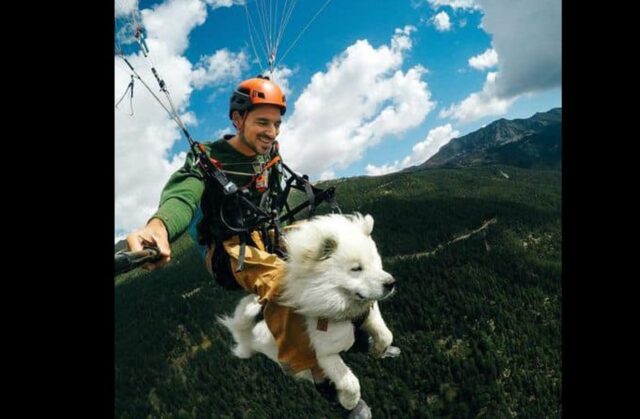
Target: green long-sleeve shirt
column 186, row 189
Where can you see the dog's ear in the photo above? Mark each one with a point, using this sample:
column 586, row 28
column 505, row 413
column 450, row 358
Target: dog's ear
column 328, row 246
column 367, row 224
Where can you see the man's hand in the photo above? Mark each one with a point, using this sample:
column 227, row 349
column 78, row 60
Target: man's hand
column 153, row 234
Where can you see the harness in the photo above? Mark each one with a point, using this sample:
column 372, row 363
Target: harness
column 240, row 216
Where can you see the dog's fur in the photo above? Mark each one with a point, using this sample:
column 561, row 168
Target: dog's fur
column 333, row 271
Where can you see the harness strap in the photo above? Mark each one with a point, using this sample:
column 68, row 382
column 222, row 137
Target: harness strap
column 258, row 178
column 129, row 88
column 243, row 248
column 244, row 239
column 217, row 164
column 271, row 162
column 311, row 197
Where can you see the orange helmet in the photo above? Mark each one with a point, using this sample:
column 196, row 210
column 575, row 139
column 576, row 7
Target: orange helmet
column 256, row 91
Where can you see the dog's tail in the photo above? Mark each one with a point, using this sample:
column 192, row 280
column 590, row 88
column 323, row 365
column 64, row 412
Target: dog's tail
column 241, row 325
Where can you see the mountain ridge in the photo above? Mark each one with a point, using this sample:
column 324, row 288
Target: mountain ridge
column 534, row 142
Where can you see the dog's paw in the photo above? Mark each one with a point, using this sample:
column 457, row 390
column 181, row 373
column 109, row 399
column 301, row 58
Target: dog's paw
column 381, row 343
column 361, row 411
column 348, row 391
column 391, row 352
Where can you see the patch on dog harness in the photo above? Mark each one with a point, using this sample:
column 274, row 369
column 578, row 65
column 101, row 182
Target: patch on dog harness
column 289, row 331
column 322, row 325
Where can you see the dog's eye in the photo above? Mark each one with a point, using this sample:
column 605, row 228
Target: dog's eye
column 356, row 269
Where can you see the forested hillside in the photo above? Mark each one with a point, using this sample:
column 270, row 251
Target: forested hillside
column 477, row 318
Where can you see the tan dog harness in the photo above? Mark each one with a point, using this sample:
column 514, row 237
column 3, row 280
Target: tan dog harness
column 262, row 275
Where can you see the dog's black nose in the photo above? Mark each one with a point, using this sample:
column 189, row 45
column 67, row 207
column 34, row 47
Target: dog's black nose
column 388, row 286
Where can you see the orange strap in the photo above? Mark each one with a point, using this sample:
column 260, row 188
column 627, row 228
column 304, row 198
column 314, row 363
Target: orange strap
column 213, row 161
column 273, row 161
column 267, row 166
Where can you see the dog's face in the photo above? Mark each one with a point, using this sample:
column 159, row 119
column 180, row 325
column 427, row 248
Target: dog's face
column 334, row 269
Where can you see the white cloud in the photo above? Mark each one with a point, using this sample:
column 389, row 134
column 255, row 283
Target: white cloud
column 442, row 22
column 479, row 104
column 363, row 97
column 454, row 4
column 123, row 7
column 281, row 76
column 486, row 60
column 220, row 67
column 421, row 152
column 168, row 24
column 222, row 132
column 436, row 138
column 224, row 3
column 143, row 141
column 527, row 37
column 372, row 170
column 327, row 175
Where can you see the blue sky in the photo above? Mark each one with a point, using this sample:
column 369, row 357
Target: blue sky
column 372, row 86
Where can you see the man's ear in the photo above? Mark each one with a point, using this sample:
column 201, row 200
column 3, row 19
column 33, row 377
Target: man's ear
column 237, row 119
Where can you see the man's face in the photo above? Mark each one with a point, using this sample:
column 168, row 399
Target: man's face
column 261, row 127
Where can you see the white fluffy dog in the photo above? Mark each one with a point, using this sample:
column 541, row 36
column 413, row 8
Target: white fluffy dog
column 333, row 272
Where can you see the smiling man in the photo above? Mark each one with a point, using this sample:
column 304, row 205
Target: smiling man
column 249, row 159
column 257, row 130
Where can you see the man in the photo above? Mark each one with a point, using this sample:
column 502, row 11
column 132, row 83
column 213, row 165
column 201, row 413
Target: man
column 249, row 159
column 256, row 107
